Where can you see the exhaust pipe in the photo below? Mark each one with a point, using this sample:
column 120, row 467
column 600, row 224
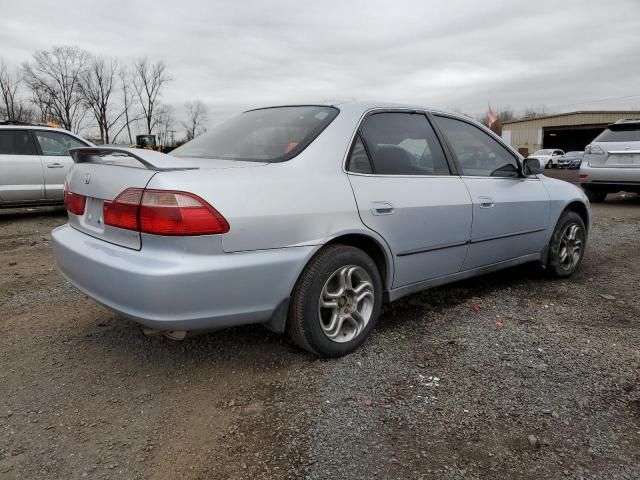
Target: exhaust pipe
column 175, row 335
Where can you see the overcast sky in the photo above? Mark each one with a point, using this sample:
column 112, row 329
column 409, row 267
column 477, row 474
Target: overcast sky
column 455, row 54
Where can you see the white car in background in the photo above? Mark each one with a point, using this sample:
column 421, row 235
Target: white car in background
column 548, row 156
column 34, row 162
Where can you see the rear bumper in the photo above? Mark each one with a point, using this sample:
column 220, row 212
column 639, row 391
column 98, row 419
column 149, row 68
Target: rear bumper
column 179, row 290
column 610, row 178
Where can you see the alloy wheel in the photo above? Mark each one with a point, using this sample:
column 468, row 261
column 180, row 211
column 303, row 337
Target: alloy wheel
column 571, row 245
column 346, row 303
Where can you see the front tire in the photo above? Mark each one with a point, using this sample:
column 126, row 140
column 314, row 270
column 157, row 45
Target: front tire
column 336, row 302
column 549, row 164
column 567, row 245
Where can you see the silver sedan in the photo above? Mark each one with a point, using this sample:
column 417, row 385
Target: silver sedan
column 307, row 218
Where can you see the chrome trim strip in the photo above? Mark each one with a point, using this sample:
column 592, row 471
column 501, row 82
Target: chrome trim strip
column 431, row 249
column 507, row 235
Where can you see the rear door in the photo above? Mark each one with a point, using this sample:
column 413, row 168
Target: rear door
column 21, row 175
column 56, row 161
column 510, row 212
column 405, row 192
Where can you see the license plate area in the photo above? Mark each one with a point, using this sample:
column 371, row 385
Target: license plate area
column 624, row 159
column 93, row 218
column 92, row 223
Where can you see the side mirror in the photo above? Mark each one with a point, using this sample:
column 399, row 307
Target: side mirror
column 532, row 166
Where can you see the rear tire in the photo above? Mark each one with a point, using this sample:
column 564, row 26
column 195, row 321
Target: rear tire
column 336, row 302
column 549, row 164
column 567, row 245
column 595, row 196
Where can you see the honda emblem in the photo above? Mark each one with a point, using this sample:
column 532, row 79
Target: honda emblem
column 87, row 178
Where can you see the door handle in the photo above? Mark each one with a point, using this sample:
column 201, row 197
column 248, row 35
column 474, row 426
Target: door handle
column 486, row 202
column 54, row 165
column 382, row 208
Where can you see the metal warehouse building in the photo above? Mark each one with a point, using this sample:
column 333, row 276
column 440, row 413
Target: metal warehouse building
column 567, row 131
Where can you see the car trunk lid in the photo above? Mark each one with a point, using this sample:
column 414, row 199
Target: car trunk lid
column 101, row 174
column 616, row 154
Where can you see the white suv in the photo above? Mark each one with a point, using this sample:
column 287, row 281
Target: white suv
column 548, row 156
column 612, row 161
column 34, row 161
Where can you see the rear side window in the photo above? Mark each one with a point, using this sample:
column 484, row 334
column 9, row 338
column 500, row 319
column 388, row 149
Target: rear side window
column 620, row 133
column 56, row 144
column 264, row 135
column 16, row 142
column 359, row 160
column 478, row 153
column 402, row 144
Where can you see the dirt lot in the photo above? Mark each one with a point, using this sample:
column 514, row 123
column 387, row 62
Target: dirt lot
column 438, row 392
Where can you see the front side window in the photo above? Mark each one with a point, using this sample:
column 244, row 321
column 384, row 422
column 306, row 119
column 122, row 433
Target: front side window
column 56, row 144
column 265, row 135
column 16, row 142
column 478, row 153
column 403, row 144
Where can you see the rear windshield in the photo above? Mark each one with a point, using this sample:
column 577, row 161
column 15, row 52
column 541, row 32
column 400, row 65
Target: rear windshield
column 620, row 133
column 264, row 135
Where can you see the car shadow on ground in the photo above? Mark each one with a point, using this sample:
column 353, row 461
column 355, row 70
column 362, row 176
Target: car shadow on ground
column 30, row 213
column 114, row 334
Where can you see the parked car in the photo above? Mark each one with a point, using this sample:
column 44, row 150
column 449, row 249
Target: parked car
column 34, row 161
column 306, row 218
column 571, row 159
column 548, row 156
column 612, row 161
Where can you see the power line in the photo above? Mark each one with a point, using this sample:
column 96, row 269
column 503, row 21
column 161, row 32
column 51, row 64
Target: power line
column 596, row 101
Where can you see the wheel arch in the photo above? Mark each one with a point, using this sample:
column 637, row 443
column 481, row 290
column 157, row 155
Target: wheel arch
column 575, row 205
column 374, row 249
column 581, row 209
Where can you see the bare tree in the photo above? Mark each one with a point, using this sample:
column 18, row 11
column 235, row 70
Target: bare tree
column 127, row 101
column 97, row 87
column 54, row 77
column 163, row 122
column 196, row 119
column 148, row 80
column 12, row 107
column 531, row 112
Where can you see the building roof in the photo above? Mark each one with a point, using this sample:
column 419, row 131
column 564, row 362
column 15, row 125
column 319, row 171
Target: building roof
column 579, row 112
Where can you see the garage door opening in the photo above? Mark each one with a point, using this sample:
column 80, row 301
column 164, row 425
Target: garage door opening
column 570, row 138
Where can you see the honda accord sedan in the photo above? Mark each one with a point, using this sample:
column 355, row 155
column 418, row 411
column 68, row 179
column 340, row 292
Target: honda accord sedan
column 307, row 218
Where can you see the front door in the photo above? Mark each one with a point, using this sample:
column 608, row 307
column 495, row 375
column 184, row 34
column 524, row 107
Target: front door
column 510, row 212
column 54, row 148
column 405, row 192
column 21, row 177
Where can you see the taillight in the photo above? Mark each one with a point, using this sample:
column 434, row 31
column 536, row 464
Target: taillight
column 123, row 211
column 73, row 202
column 583, row 177
column 594, row 150
column 163, row 212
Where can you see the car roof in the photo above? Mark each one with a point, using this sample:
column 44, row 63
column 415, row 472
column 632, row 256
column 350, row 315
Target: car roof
column 626, row 120
column 29, row 126
column 362, row 106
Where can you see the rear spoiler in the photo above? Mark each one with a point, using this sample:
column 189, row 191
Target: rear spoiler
column 148, row 158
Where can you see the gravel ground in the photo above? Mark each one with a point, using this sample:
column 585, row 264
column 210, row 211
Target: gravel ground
column 510, row 375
